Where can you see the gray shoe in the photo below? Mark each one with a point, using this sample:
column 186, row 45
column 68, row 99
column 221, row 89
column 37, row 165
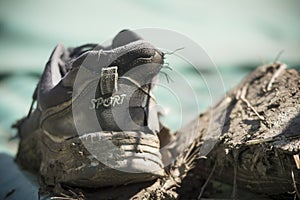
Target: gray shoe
column 95, row 122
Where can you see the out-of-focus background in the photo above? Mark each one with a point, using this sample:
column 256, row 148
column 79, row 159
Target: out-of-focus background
column 237, row 35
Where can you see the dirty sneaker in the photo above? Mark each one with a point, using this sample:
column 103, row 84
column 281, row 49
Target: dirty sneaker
column 95, row 122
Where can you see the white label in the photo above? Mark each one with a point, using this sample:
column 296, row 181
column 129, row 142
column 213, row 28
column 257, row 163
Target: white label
column 107, row 102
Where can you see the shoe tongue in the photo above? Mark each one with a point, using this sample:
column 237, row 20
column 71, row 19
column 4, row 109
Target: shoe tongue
column 124, row 37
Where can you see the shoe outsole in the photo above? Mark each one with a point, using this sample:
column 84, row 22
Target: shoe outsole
column 95, row 159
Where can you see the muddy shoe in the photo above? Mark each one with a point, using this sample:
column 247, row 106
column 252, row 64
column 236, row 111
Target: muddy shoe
column 95, row 122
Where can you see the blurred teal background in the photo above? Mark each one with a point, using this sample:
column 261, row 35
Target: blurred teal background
column 237, row 35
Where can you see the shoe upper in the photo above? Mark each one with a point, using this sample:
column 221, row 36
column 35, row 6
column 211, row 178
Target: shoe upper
column 93, row 88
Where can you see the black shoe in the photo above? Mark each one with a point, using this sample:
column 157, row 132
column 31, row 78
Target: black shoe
column 95, row 122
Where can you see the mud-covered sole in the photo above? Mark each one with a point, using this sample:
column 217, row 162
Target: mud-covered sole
column 100, row 159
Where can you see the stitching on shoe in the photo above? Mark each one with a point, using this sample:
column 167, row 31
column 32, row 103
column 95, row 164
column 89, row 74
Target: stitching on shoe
column 60, row 108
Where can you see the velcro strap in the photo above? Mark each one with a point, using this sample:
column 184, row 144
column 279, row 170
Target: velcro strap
column 109, row 80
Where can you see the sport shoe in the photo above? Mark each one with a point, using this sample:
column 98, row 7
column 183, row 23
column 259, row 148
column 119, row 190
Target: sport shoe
column 95, row 122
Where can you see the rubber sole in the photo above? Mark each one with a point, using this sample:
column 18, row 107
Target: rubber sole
column 98, row 159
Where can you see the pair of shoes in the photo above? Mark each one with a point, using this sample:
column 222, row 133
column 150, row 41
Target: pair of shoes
column 95, row 123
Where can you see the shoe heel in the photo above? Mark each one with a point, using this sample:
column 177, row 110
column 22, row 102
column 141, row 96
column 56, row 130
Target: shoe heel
column 102, row 159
